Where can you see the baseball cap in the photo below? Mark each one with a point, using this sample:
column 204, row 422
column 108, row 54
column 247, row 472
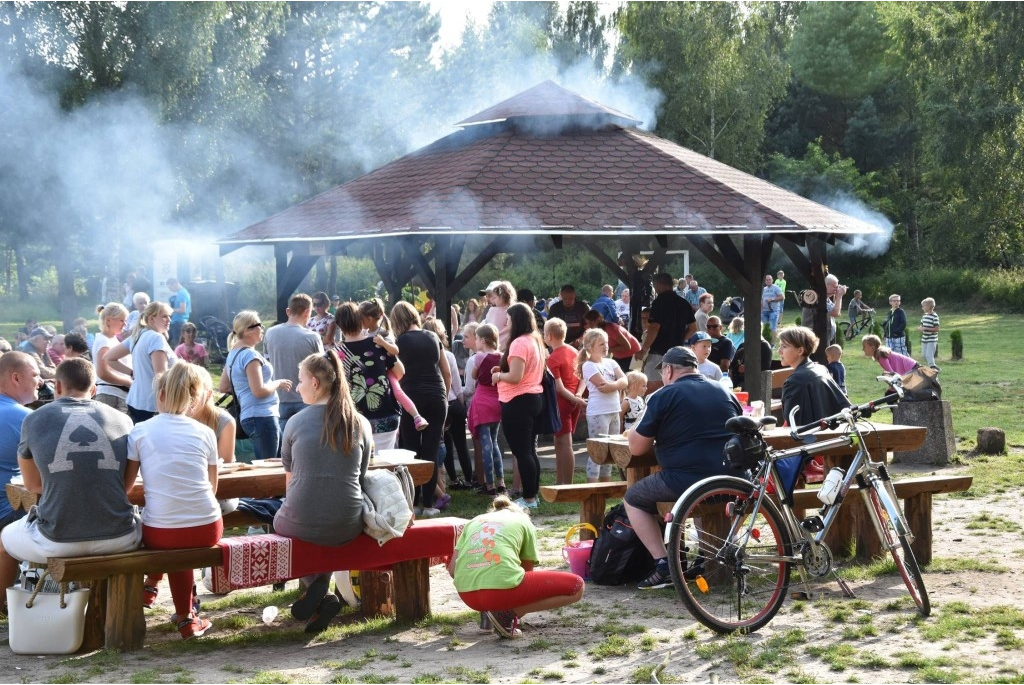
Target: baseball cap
column 679, row 356
column 39, row 330
column 490, row 286
column 699, row 336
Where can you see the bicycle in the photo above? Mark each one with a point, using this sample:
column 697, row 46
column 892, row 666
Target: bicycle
column 864, row 322
column 732, row 542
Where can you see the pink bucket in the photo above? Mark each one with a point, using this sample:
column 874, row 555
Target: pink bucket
column 577, row 552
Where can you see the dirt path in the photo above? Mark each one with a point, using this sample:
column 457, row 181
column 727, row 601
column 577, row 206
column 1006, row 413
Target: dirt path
column 976, row 633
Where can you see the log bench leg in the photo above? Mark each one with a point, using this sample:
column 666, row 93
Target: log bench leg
column 376, row 593
column 125, row 628
column 95, row 616
column 412, row 589
column 592, row 512
column 918, row 510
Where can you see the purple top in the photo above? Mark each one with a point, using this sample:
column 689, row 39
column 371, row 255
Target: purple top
column 897, row 363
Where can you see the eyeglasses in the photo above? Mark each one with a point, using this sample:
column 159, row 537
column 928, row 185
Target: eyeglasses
column 258, row 324
column 714, row 325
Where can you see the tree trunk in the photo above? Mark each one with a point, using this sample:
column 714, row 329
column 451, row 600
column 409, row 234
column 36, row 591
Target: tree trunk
column 22, row 271
column 66, row 288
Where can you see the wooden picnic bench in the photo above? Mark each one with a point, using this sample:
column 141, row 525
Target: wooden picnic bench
column 394, row 580
column 591, row 496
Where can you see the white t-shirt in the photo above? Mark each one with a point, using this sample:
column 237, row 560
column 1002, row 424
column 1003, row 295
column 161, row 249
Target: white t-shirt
column 102, row 387
column 469, row 386
column 456, row 390
column 601, row 402
column 174, row 452
column 710, row 370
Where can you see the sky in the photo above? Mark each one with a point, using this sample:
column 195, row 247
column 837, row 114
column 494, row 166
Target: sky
column 454, row 14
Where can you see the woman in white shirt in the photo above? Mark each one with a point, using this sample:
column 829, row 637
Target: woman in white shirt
column 151, row 356
column 177, row 457
column 113, row 318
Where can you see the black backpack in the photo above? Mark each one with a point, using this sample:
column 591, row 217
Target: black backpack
column 618, row 555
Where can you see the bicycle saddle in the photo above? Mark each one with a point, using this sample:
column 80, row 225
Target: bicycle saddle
column 746, row 424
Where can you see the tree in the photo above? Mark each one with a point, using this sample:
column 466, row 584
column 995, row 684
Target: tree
column 719, row 67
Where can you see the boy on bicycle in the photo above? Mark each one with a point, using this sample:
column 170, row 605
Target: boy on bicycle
column 857, row 307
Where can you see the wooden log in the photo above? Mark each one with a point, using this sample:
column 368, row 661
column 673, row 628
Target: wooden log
column 412, row 589
column 125, row 626
column 918, row 511
column 376, row 593
column 991, row 440
column 95, row 616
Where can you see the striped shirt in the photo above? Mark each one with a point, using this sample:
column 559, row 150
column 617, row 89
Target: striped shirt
column 930, row 320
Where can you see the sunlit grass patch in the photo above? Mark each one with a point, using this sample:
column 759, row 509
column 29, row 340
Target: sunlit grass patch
column 958, row 621
column 838, row 657
column 612, row 646
column 986, row 521
column 965, row 564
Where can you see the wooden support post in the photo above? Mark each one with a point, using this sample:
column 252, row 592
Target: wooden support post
column 918, row 511
column 412, row 589
column 126, row 623
column 376, row 593
column 592, row 512
column 95, row 616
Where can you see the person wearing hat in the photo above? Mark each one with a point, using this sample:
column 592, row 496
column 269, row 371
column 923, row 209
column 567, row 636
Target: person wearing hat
column 685, row 426
column 335, row 301
column 36, row 347
column 700, row 342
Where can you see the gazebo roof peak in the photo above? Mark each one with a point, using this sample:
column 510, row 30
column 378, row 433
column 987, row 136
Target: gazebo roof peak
column 548, row 100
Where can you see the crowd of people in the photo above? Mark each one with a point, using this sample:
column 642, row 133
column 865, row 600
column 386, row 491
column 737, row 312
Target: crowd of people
column 337, row 380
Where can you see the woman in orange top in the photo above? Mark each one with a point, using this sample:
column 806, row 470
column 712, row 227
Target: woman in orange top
column 519, row 390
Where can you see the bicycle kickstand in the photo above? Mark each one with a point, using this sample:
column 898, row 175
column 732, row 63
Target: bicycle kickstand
column 843, row 585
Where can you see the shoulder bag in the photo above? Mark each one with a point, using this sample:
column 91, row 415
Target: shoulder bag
column 233, row 404
column 549, row 421
column 387, row 503
column 46, row 623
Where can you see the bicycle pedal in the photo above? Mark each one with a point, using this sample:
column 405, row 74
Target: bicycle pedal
column 813, row 524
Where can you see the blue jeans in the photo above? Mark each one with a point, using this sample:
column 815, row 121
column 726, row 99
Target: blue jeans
column 771, row 318
column 494, row 468
column 288, row 410
column 265, row 435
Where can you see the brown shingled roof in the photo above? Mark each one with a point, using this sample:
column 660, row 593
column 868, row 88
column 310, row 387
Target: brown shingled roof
column 554, row 162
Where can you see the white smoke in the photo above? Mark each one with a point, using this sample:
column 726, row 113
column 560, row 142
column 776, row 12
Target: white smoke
column 869, row 244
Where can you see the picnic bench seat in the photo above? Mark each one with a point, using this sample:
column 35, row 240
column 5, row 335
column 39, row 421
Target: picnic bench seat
column 591, row 497
column 395, row 578
column 916, row 494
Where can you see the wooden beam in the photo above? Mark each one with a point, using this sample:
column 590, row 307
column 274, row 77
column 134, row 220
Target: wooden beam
column 605, row 260
column 751, row 289
column 289, row 274
column 730, row 270
column 480, row 261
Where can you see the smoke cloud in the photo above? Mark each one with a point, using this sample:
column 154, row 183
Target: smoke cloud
column 871, row 244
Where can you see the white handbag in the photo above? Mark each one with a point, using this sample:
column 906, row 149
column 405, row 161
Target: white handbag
column 46, row 623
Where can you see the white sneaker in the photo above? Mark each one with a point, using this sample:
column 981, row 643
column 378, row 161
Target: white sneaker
column 256, row 530
column 429, row 512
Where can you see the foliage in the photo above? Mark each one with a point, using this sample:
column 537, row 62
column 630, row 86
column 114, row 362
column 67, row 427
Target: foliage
column 956, row 341
column 719, row 67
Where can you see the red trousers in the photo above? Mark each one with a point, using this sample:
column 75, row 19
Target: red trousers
column 180, row 538
column 537, row 585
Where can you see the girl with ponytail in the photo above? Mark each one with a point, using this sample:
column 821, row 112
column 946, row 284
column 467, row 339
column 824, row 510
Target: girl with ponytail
column 326, row 449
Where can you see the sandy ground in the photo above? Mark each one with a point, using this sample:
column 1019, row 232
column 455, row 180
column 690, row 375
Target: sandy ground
column 620, row 634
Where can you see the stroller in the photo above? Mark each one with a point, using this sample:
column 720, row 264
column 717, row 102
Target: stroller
column 214, row 336
column 730, row 309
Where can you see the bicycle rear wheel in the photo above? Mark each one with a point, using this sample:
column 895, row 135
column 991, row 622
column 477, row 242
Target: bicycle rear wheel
column 899, row 546
column 848, row 330
column 729, row 586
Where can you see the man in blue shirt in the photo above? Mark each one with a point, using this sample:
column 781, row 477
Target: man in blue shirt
column 685, row 425
column 692, row 294
column 771, row 303
column 181, row 306
column 605, row 305
column 19, row 386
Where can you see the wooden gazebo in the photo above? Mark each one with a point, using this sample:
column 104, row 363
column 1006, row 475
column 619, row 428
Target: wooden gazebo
column 549, row 167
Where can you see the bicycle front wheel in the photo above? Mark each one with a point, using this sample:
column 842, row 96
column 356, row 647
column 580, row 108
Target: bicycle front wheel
column 899, row 546
column 729, row 566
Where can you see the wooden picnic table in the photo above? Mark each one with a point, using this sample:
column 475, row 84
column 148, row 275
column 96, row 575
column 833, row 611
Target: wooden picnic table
column 252, row 482
column 880, row 439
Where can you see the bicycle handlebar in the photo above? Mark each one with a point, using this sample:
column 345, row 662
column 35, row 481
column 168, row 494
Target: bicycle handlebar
column 848, row 415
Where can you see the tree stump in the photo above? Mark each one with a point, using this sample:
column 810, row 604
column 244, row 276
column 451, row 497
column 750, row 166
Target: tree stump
column 991, row 440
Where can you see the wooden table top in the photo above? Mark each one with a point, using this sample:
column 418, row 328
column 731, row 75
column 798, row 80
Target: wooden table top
column 882, row 438
column 245, row 482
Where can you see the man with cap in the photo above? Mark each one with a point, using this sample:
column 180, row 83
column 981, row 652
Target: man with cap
column 19, row 386
column 36, row 347
column 685, row 426
column 571, row 311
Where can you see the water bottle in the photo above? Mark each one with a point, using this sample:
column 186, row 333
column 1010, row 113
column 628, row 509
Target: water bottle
column 830, row 486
